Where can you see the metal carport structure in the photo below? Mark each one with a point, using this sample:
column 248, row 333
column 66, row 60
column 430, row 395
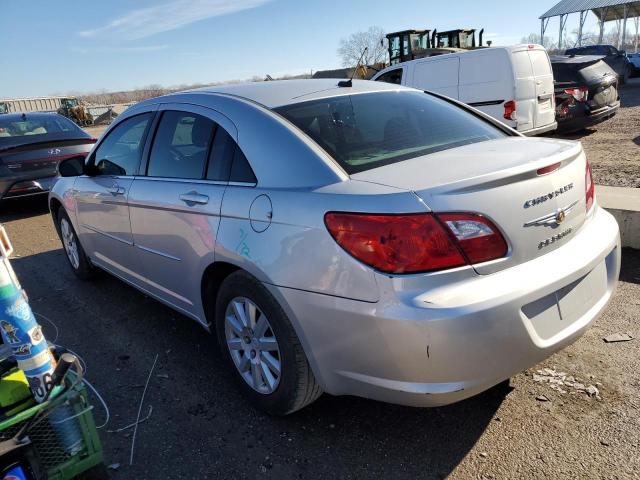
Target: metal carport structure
column 604, row 10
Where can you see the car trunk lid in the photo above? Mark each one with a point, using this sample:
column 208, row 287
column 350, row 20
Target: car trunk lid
column 500, row 179
column 43, row 156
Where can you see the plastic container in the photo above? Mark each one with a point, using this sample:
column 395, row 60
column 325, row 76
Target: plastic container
column 54, row 456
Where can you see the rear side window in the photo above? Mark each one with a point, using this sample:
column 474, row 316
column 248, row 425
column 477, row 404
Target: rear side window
column 394, row 76
column 370, row 130
column 227, row 162
column 120, row 152
column 181, row 146
column 241, row 170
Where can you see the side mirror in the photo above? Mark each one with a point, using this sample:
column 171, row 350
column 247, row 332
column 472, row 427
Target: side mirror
column 72, row 167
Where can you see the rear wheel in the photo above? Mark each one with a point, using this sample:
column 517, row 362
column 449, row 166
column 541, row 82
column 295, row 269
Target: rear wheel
column 75, row 253
column 261, row 346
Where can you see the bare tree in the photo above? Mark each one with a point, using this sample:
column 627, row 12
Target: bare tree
column 546, row 42
column 352, row 47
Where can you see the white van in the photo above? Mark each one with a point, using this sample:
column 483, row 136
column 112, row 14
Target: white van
column 512, row 84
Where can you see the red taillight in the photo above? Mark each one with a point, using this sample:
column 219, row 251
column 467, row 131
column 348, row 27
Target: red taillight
column 581, row 94
column 416, row 242
column 590, row 187
column 510, row 110
column 548, row 169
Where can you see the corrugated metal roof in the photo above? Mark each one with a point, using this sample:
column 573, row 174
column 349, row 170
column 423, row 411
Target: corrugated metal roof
column 615, row 8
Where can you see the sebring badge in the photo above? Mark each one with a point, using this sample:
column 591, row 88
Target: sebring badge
column 554, row 239
column 54, row 151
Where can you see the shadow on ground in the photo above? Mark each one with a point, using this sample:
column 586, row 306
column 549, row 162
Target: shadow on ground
column 630, row 271
column 202, row 424
column 19, row 208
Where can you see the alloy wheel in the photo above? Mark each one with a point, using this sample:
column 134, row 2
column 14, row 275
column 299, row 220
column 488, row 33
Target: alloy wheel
column 252, row 345
column 70, row 244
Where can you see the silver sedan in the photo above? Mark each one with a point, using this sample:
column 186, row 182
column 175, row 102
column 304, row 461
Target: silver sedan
column 355, row 239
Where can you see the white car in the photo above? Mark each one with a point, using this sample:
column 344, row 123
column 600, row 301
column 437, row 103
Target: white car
column 512, row 84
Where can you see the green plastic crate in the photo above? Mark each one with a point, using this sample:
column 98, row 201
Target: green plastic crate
column 58, row 464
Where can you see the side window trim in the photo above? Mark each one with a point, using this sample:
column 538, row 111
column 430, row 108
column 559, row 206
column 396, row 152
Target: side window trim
column 91, row 160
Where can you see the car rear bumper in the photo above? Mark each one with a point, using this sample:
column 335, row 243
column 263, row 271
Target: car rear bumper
column 24, row 185
column 444, row 345
column 581, row 121
column 540, row 130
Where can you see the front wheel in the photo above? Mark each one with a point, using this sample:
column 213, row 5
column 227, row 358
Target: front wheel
column 75, row 253
column 261, row 346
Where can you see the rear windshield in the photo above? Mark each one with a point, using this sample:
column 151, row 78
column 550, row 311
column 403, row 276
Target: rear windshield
column 369, row 130
column 18, row 129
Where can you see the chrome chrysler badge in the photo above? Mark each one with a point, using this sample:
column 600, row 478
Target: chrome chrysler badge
column 553, row 218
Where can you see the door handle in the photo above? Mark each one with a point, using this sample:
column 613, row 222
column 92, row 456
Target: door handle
column 193, row 198
column 116, row 189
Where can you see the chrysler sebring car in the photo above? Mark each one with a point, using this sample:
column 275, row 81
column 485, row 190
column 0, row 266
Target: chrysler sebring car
column 31, row 146
column 354, row 238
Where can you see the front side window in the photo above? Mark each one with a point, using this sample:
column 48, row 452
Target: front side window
column 181, row 146
column 394, row 76
column 370, row 130
column 120, row 152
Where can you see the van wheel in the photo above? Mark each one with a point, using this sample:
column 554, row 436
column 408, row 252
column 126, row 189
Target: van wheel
column 261, row 346
column 75, row 253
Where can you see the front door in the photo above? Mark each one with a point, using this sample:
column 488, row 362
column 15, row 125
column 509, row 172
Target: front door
column 101, row 200
column 175, row 203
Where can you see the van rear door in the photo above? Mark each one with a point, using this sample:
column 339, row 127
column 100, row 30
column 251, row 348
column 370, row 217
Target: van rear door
column 535, row 104
column 439, row 75
column 544, row 113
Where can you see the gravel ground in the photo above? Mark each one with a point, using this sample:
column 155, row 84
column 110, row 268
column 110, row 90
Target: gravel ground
column 202, row 428
column 613, row 147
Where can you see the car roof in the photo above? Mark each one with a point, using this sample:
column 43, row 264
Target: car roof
column 276, row 93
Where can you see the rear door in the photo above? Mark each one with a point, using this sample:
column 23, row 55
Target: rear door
column 439, row 74
column 175, row 202
column 101, row 200
column 544, row 103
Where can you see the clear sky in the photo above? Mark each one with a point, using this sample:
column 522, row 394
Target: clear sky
column 56, row 47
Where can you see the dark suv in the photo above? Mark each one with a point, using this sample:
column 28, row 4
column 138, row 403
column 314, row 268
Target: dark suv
column 616, row 59
column 586, row 91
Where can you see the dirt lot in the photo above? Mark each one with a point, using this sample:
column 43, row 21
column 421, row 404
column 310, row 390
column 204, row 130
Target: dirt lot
column 613, row 147
column 201, row 427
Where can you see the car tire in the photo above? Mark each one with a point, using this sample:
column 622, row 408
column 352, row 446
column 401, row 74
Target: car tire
column 78, row 261
column 261, row 344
